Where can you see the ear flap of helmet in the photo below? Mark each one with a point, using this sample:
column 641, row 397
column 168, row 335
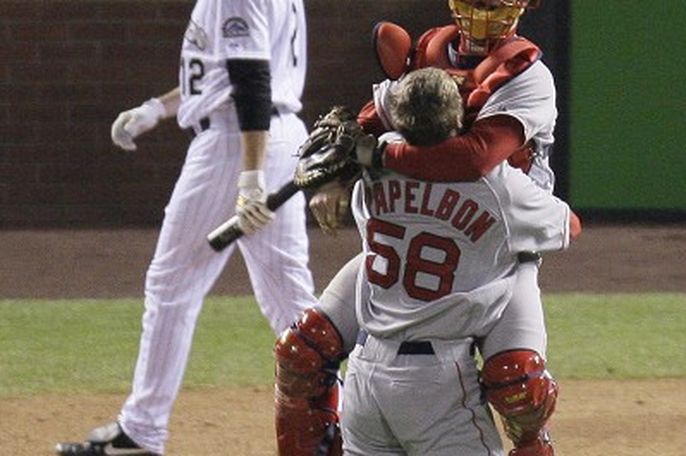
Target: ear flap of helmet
column 393, row 47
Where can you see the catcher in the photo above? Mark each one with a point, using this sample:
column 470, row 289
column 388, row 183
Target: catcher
column 509, row 114
column 426, row 108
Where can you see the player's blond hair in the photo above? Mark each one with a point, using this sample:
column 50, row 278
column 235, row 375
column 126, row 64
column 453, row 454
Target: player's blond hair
column 426, row 106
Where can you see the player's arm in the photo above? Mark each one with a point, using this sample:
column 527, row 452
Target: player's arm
column 574, row 225
column 171, row 101
column 134, row 122
column 537, row 221
column 370, row 121
column 251, row 92
column 513, row 115
column 469, row 156
column 461, row 158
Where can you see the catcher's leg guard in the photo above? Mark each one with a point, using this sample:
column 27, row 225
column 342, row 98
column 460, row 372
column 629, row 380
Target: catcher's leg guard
column 308, row 356
column 523, row 392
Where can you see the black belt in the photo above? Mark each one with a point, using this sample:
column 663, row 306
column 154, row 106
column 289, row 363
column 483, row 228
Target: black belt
column 420, row 347
column 205, row 124
column 528, row 257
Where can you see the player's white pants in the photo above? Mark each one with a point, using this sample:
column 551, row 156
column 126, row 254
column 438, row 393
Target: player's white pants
column 416, row 405
column 185, row 268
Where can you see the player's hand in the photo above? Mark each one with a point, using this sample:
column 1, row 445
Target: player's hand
column 368, row 151
column 251, row 208
column 134, row 122
column 329, row 206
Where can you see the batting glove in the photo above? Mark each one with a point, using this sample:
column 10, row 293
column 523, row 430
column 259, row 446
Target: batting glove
column 251, row 208
column 134, row 122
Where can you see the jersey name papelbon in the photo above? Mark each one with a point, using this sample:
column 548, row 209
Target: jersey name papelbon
column 414, row 197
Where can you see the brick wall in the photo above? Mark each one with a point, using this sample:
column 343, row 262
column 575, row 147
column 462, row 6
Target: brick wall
column 67, row 68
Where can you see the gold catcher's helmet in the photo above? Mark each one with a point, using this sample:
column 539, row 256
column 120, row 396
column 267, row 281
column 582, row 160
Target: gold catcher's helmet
column 484, row 24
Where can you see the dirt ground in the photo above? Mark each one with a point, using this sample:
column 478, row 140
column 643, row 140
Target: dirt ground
column 594, row 417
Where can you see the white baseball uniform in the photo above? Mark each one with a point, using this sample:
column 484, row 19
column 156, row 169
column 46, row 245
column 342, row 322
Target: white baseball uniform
column 441, row 261
column 184, row 267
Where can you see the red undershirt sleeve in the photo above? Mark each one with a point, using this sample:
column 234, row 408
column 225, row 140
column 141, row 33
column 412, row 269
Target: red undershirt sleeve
column 370, row 121
column 574, row 226
column 462, row 158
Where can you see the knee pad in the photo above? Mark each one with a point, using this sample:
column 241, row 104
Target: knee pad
column 308, row 356
column 522, row 391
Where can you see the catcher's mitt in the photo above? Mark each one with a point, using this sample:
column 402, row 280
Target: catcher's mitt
column 329, row 151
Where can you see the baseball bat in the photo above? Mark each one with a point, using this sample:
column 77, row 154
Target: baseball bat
column 229, row 231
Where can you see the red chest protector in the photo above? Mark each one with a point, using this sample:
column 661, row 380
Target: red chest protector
column 397, row 55
column 477, row 85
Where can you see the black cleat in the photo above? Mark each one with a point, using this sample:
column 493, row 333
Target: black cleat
column 107, row 440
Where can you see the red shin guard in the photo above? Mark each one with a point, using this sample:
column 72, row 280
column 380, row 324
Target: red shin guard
column 521, row 390
column 306, row 398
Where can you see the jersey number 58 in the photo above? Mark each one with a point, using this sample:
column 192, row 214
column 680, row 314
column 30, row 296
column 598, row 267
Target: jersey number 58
column 412, row 264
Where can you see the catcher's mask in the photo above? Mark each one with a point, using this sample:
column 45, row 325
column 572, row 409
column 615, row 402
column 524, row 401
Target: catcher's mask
column 484, row 24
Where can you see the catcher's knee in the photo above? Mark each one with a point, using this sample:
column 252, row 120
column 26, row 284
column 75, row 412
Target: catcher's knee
column 522, row 391
column 308, row 356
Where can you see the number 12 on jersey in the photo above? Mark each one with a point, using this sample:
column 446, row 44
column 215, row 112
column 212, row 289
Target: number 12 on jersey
column 192, row 72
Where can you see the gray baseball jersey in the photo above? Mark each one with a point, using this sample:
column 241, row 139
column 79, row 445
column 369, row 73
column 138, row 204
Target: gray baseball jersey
column 440, row 265
column 440, row 257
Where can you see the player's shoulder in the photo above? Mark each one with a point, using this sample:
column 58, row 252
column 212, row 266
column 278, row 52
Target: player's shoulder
column 538, row 73
column 539, row 69
column 497, row 176
column 250, row 8
column 535, row 79
column 506, row 181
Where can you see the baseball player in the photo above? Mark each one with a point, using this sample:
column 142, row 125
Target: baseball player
column 440, row 265
column 241, row 77
column 510, row 115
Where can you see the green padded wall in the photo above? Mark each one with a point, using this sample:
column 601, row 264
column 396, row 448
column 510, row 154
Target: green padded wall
column 628, row 105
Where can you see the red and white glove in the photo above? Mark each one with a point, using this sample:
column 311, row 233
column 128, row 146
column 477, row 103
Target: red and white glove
column 134, row 122
column 251, row 208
